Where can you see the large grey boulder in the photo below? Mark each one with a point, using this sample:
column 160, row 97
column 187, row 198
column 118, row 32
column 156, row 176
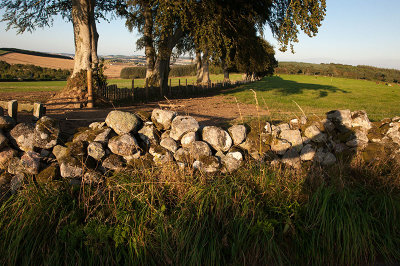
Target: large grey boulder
column 22, row 136
column 6, row 155
column 341, row 118
column 96, row 150
column 60, row 152
column 97, row 125
column 218, row 138
column 104, row 135
column 17, row 181
column 46, row 133
column 199, row 149
column 123, row 122
column 207, row 164
column 31, row 162
column 113, row 162
column 124, row 145
column 6, row 122
column 182, row 125
column 293, row 137
column 149, row 134
column 232, row 161
column 307, row 153
column 71, row 168
column 160, row 154
column 280, row 146
column 170, row 144
column 359, row 139
column 360, row 119
column 394, row 132
column 292, row 158
column 3, row 140
column 188, row 139
column 162, row 118
column 238, row 133
column 315, row 134
column 324, row 158
column 15, row 166
column 182, row 155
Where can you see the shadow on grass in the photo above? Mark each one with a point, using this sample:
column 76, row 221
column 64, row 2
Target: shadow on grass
column 287, row 87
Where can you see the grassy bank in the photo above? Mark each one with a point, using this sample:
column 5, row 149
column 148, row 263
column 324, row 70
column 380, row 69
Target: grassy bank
column 259, row 215
column 318, row 95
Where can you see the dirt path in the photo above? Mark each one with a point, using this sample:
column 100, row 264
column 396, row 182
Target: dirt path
column 214, row 110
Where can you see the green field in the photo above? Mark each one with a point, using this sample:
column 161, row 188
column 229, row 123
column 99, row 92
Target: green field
column 314, row 94
column 25, row 86
column 31, row 86
column 317, row 95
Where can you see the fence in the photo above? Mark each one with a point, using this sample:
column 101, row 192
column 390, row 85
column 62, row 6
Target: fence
column 137, row 94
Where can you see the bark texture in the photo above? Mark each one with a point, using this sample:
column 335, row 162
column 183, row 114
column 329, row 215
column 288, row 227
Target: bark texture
column 202, row 65
column 85, row 35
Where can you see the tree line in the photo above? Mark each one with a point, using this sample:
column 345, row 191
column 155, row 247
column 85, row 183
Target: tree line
column 340, row 70
column 18, row 72
column 224, row 33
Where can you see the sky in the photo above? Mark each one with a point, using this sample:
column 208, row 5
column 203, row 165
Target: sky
column 355, row 32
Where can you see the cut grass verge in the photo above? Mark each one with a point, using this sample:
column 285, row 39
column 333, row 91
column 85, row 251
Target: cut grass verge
column 259, row 215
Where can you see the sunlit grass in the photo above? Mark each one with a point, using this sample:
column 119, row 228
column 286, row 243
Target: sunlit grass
column 318, row 95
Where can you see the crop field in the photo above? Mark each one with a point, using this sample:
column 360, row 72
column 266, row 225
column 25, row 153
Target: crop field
column 317, row 95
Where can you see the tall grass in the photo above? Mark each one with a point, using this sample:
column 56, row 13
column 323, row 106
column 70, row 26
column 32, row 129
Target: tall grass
column 259, row 215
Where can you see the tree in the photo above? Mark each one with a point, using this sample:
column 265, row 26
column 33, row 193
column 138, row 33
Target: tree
column 214, row 29
column 31, row 14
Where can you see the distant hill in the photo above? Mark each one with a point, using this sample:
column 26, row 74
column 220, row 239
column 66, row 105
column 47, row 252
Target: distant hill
column 340, row 70
column 21, row 51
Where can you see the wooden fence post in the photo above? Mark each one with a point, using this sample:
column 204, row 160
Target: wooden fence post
column 90, row 103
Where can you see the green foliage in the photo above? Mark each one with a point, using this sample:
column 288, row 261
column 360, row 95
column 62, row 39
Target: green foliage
column 14, row 72
column 257, row 216
column 339, row 70
column 133, row 73
column 175, row 71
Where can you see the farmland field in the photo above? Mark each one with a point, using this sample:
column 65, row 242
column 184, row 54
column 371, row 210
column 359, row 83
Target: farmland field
column 317, row 95
column 279, row 94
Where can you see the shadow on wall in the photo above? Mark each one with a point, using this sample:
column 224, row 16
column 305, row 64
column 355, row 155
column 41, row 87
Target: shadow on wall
column 341, row 134
column 288, row 87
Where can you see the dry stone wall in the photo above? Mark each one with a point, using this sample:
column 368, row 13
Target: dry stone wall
column 166, row 138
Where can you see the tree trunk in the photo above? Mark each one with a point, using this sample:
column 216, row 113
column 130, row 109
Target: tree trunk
column 206, row 69
column 85, row 35
column 149, row 47
column 202, row 68
column 161, row 68
column 199, row 68
column 225, row 69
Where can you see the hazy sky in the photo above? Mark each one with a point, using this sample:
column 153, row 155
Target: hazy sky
column 353, row 32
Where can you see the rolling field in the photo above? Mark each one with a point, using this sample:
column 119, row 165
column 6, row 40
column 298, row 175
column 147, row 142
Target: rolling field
column 317, row 95
column 25, row 86
column 314, row 94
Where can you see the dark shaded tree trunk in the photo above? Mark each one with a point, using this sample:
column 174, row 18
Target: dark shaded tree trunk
column 161, row 68
column 85, row 35
column 225, row 69
column 149, row 46
column 202, row 68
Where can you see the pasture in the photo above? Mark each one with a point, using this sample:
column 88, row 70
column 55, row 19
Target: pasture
column 278, row 95
column 317, row 95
